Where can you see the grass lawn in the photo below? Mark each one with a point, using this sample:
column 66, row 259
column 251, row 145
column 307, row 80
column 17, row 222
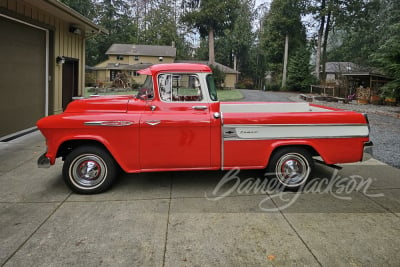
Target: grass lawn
column 223, row 95
column 229, row 95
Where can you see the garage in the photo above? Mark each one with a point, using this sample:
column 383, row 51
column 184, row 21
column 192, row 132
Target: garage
column 23, row 72
column 42, row 61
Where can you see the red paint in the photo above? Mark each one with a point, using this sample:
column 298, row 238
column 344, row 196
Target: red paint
column 183, row 138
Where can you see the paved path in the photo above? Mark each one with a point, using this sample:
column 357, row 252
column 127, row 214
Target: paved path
column 385, row 126
column 262, row 96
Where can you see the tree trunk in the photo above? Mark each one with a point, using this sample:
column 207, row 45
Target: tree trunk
column 318, row 56
column 319, row 40
column 211, row 55
column 324, row 52
column 285, row 61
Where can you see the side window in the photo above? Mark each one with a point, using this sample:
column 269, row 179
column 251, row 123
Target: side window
column 179, row 87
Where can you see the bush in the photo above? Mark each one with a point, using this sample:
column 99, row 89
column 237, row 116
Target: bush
column 272, row 87
column 245, row 84
column 90, row 79
column 219, row 76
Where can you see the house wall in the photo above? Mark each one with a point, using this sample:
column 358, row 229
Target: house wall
column 131, row 60
column 230, row 80
column 61, row 43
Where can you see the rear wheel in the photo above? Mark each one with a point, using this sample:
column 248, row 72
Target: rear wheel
column 89, row 170
column 291, row 166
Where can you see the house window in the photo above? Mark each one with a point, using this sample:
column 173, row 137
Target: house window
column 119, row 57
column 135, row 74
column 136, row 58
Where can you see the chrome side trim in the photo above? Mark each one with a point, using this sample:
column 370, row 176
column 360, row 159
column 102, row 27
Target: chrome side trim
column 292, row 138
column 311, row 125
column 108, row 123
column 153, row 123
column 294, row 131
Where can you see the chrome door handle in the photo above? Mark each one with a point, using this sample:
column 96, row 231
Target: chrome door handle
column 153, row 123
column 199, row 107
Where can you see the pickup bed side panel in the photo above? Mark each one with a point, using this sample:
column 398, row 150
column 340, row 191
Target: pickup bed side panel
column 337, row 136
column 255, row 154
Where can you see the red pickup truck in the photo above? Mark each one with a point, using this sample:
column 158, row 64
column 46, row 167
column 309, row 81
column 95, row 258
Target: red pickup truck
column 176, row 122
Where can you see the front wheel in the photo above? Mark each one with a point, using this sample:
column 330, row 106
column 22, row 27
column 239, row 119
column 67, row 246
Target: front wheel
column 291, row 166
column 89, row 170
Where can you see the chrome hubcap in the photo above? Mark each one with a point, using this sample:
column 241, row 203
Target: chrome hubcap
column 88, row 171
column 292, row 169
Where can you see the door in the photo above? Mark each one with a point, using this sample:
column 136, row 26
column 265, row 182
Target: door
column 176, row 131
column 69, row 81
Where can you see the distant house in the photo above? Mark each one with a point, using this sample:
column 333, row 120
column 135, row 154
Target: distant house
column 343, row 79
column 335, row 70
column 130, row 58
column 42, row 63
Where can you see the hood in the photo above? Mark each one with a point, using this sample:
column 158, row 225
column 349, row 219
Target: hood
column 110, row 104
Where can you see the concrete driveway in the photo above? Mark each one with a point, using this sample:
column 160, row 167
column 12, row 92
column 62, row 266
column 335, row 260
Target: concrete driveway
column 345, row 218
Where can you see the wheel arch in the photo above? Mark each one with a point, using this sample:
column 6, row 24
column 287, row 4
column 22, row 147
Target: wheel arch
column 67, row 146
column 279, row 146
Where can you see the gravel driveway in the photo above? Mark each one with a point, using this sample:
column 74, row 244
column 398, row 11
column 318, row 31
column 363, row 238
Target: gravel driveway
column 384, row 122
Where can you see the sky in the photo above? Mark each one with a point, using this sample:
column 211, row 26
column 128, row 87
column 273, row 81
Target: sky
column 259, row 2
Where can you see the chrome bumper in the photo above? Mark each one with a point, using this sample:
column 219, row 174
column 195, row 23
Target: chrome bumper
column 43, row 161
column 368, row 150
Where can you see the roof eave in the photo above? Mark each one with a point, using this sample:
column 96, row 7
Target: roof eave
column 90, row 26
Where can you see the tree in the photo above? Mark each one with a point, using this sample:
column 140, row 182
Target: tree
column 282, row 20
column 87, row 8
column 355, row 36
column 388, row 54
column 115, row 16
column 161, row 28
column 299, row 70
column 211, row 19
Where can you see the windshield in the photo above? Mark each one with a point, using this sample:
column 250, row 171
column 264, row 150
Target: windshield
column 212, row 90
column 146, row 91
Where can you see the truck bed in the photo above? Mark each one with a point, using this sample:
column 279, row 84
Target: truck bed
column 273, row 107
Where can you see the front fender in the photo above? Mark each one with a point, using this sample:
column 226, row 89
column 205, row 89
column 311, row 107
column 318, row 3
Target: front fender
column 121, row 140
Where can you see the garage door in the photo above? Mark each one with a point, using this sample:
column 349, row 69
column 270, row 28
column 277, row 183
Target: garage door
column 22, row 76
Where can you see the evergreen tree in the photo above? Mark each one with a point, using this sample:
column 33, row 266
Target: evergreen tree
column 299, row 70
column 283, row 19
column 211, row 19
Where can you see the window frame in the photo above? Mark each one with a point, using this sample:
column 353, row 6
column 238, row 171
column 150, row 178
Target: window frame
column 172, row 74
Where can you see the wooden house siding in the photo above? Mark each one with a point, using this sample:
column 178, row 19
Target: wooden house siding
column 62, row 43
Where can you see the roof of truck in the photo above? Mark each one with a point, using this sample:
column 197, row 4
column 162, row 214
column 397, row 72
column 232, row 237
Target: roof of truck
column 175, row 67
